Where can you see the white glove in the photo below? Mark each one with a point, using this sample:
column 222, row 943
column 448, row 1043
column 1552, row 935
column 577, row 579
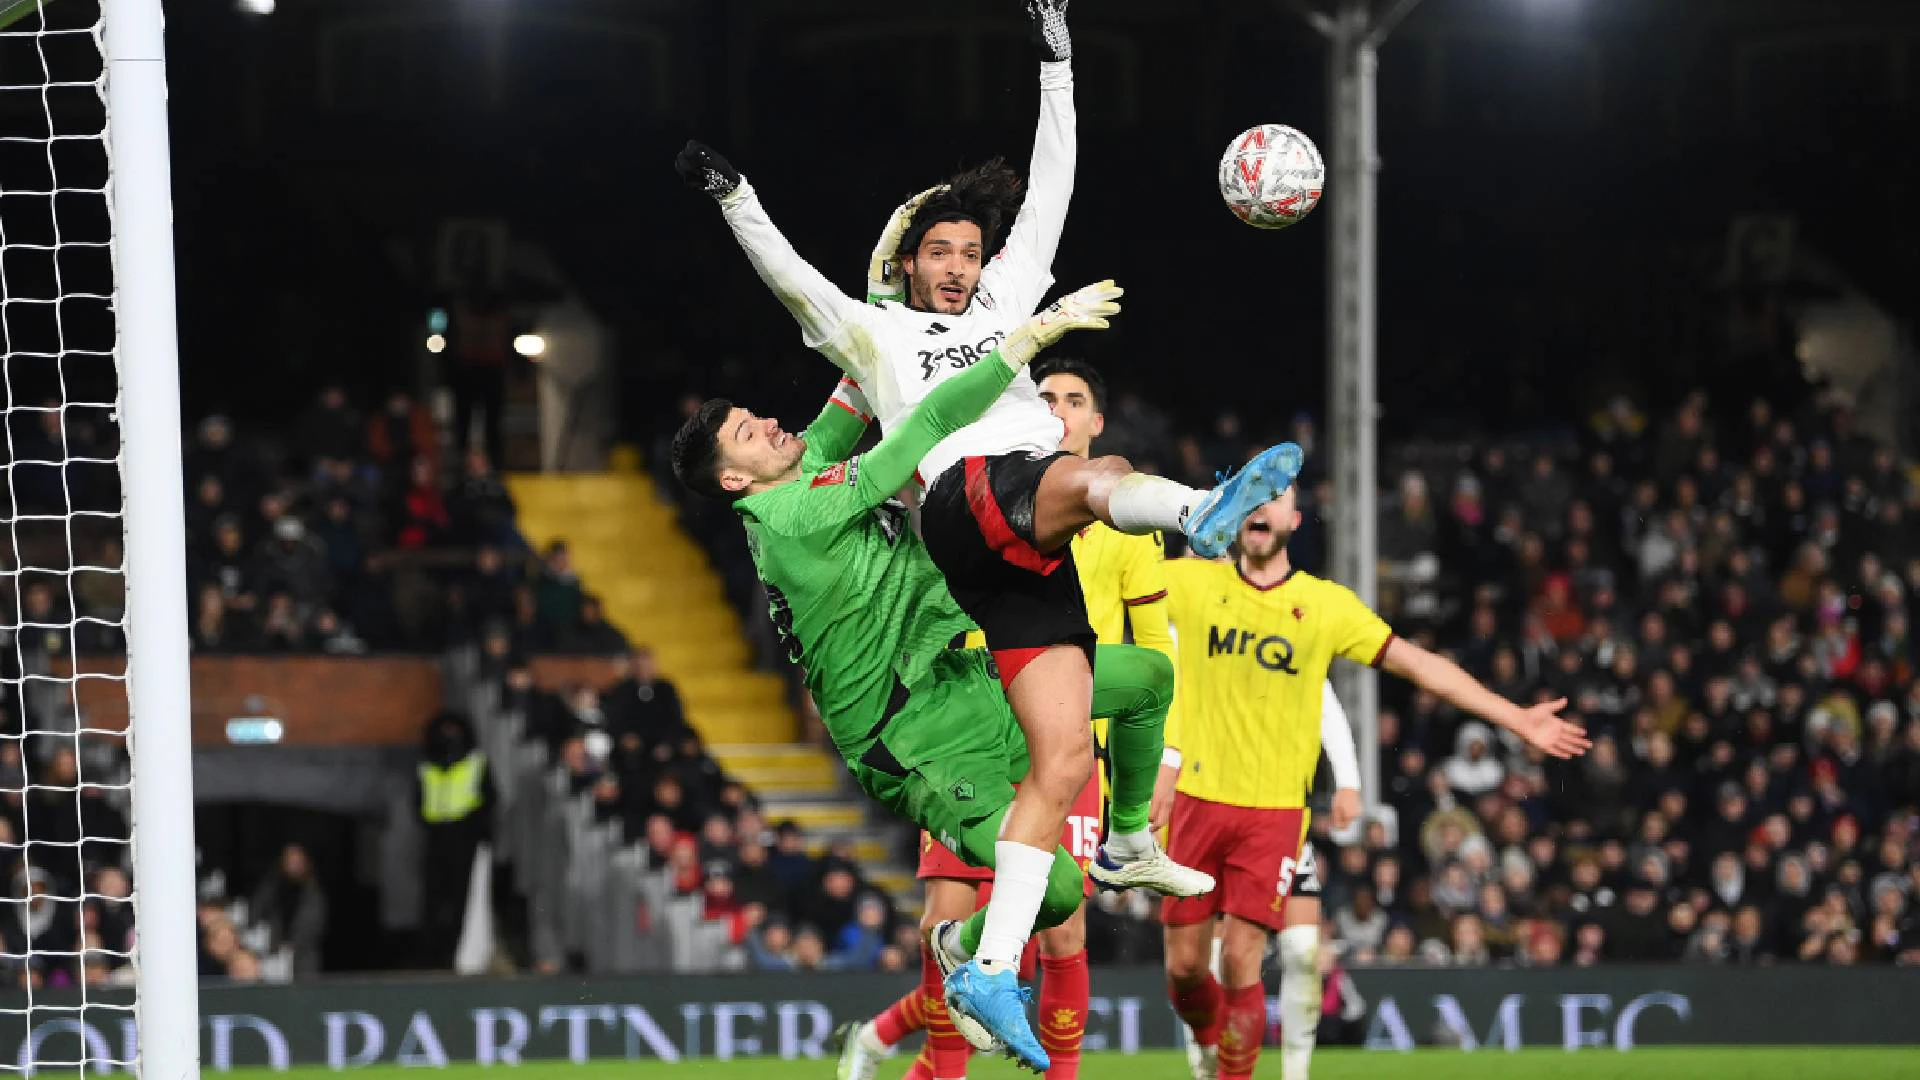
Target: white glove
column 885, row 281
column 1086, row 309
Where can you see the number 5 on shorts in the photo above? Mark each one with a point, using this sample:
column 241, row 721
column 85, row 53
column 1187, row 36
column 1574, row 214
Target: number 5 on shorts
column 1287, row 868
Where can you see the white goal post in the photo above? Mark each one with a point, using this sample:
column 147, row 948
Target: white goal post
column 167, row 1006
column 92, row 390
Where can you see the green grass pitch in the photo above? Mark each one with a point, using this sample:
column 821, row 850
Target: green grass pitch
column 1647, row 1063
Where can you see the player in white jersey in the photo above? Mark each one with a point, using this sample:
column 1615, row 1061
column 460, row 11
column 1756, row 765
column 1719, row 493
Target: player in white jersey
column 1002, row 501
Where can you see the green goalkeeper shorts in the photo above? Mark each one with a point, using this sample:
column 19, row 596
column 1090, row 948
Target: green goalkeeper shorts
column 949, row 757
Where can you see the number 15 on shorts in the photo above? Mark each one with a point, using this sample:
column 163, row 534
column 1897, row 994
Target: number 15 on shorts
column 1083, row 837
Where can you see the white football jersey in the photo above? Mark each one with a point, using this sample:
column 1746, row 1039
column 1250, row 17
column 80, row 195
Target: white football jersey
column 898, row 355
column 906, row 353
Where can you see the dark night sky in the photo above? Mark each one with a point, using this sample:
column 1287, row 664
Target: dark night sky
column 1558, row 179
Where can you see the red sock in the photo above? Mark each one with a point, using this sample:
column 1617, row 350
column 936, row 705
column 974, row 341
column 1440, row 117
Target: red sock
column 1063, row 1012
column 1200, row 1005
column 1244, row 1027
column 946, row 1051
column 922, row 1068
column 903, row 1017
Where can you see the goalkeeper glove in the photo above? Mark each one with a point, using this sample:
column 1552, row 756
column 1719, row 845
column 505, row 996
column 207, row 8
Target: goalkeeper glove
column 1049, row 19
column 1084, row 310
column 884, row 278
column 703, row 169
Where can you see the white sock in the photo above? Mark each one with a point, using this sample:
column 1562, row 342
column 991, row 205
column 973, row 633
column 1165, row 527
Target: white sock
column 1299, row 999
column 1130, row 846
column 951, row 944
column 870, row 1039
column 1219, row 950
column 1144, row 504
column 1019, row 885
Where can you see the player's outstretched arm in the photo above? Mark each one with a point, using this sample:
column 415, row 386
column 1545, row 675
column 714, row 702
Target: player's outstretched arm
column 1027, row 259
column 961, row 400
column 1540, row 724
column 817, row 306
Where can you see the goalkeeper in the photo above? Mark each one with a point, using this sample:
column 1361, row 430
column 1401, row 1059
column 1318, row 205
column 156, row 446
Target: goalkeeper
column 924, row 726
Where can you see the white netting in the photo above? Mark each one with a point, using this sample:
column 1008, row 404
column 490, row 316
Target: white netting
column 66, row 912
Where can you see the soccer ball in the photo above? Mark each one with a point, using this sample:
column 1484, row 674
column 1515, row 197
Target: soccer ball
column 1271, row 176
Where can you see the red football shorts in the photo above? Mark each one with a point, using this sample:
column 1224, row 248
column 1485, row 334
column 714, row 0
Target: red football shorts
column 1252, row 855
column 1080, row 836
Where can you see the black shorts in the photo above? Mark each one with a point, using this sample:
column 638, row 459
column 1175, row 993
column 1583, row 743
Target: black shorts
column 977, row 520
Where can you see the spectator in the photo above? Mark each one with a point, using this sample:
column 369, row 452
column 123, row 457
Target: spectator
column 421, row 518
column 1472, row 770
column 43, row 940
column 290, row 904
column 1469, row 946
column 482, row 508
column 830, row 905
column 557, row 593
column 479, row 348
column 771, row 947
column 1361, row 923
column 591, row 634
column 859, row 944
column 402, row 432
column 291, row 563
column 454, row 794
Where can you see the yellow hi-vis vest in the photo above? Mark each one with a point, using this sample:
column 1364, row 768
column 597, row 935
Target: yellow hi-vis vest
column 452, row 792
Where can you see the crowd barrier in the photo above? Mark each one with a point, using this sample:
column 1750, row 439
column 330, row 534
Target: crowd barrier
column 349, row 1024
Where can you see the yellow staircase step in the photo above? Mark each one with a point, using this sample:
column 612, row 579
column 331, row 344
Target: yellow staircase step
column 660, row 591
column 783, row 770
column 817, row 815
column 867, row 852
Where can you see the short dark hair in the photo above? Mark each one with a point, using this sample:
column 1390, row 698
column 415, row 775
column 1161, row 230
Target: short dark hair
column 696, row 450
column 1079, row 369
column 988, row 195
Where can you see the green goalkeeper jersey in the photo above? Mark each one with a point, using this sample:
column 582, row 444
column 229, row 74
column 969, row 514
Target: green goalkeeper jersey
column 852, row 592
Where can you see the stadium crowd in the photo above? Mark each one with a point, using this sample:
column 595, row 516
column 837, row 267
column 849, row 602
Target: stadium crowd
column 1725, row 599
column 344, row 535
column 1727, row 603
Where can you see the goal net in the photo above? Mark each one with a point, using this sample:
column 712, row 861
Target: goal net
column 69, row 888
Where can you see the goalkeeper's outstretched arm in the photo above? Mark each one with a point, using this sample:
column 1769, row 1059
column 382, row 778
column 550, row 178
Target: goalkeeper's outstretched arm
column 819, row 307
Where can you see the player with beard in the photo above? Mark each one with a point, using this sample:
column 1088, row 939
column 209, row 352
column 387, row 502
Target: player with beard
column 1003, row 501
column 1255, row 638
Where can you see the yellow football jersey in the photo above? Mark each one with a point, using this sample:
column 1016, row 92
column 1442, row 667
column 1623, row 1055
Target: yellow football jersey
column 1251, row 662
column 1120, row 575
